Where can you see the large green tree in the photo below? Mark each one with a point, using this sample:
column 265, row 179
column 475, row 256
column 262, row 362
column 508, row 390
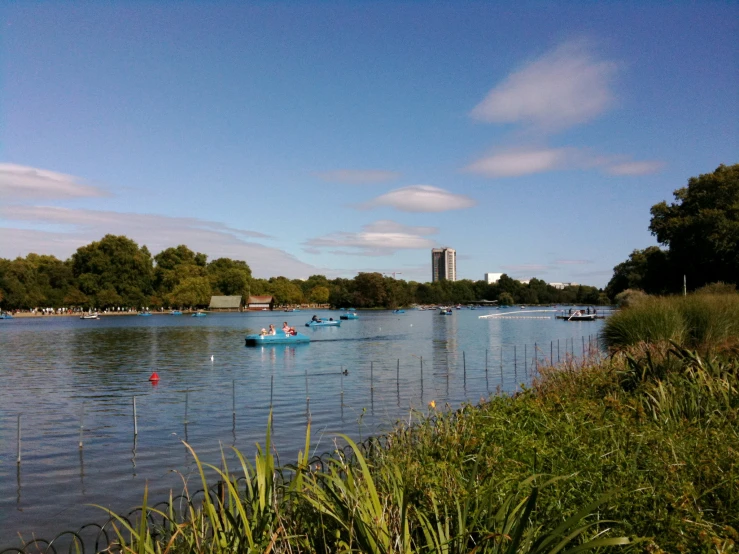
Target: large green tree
column 648, row 270
column 701, row 228
column 115, row 263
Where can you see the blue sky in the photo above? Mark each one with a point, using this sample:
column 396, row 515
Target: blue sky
column 338, row 137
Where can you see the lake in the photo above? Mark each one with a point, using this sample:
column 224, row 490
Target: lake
column 63, row 373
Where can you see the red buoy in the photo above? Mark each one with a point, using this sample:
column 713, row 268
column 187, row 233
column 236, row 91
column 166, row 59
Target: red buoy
column 154, row 377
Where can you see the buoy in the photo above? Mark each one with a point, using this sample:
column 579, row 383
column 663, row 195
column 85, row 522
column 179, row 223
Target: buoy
column 154, row 377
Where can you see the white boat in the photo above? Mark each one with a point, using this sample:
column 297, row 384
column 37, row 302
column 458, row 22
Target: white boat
column 91, row 315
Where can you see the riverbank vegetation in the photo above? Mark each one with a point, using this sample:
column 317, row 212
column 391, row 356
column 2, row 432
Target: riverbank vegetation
column 117, row 272
column 638, row 451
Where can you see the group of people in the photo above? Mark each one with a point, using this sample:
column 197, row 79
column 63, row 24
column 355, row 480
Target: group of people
column 285, row 329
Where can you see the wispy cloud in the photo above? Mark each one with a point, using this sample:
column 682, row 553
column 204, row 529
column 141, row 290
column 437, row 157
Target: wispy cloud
column 514, row 163
column 635, row 168
column 420, row 199
column 565, row 87
column 379, row 238
column 522, row 161
column 357, row 176
column 77, row 227
column 19, row 183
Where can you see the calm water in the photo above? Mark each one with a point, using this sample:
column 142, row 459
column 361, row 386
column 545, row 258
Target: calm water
column 55, row 371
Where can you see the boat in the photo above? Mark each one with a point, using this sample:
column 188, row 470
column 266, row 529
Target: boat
column 199, row 314
column 144, row 313
column 579, row 315
column 352, row 315
column 398, row 311
column 91, row 315
column 5, row 315
column 175, row 312
column 279, row 338
column 323, row 323
column 458, row 306
column 446, row 311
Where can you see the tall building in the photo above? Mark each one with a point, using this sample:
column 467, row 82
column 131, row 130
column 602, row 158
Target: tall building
column 493, row 277
column 443, row 264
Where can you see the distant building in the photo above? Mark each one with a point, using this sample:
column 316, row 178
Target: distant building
column 260, row 303
column 443, row 264
column 561, row 286
column 491, row 278
column 228, row 303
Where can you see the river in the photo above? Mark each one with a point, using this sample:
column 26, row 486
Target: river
column 73, row 380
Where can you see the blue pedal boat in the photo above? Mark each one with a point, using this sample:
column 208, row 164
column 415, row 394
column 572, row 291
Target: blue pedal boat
column 349, row 316
column 5, row 315
column 279, row 338
column 175, row 312
column 323, row 323
column 199, row 314
column 145, row 314
column 398, row 311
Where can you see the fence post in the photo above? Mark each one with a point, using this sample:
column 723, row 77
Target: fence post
column 19, row 439
column 372, row 375
column 135, row 420
column 82, row 421
column 464, row 367
column 187, row 403
column 536, row 358
column 515, row 367
column 233, row 397
column 525, row 361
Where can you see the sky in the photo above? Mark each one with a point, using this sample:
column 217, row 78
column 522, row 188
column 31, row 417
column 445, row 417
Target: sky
column 339, row 137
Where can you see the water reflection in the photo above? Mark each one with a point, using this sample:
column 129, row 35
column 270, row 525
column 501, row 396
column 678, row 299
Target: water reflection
column 394, row 364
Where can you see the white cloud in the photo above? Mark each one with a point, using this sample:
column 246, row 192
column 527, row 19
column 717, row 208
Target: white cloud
column 526, row 267
column 522, row 161
column 421, row 199
column 19, row 182
column 78, row 227
column 563, row 88
column 379, row 238
column 357, row 176
column 514, row 163
column 635, row 168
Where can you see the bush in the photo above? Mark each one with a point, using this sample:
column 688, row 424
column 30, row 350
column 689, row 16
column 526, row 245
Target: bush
column 630, row 297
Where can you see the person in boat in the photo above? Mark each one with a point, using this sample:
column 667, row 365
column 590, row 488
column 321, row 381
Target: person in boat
column 315, row 318
column 272, row 330
column 263, row 331
column 288, row 330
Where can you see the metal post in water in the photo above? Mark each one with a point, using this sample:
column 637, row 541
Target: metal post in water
column 421, row 371
column 557, row 350
column 271, row 391
column 372, row 375
column 551, row 352
column 187, row 402
column 515, row 366
column 525, row 361
column 135, row 420
column 397, row 375
column 501, row 366
column 233, row 397
column 19, row 439
column 583, row 349
column 536, row 358
column 464, row 367
column 82, row 421
column 486, row 362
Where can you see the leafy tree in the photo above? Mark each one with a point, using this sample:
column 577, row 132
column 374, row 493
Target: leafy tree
column 284, row 291
column 319, row 294
column 117, row 263
column 76, row 298
column 505, row 299
column 175, row 264
column 701, row 229
column 647, row 269
column 108, row 298
column 193, row 291
column 369, row 290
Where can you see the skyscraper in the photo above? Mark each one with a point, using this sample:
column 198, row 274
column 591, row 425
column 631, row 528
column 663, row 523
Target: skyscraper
column 443, row 264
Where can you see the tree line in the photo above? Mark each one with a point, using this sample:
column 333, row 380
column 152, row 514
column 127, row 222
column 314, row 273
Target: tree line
column 700, row 235
column 116, row 272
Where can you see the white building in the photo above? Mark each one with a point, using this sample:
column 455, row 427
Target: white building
column 443, row 264
column 491, row 278
column 561, row 286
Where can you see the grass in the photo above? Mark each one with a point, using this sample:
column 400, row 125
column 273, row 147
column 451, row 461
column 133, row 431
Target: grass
column 698, row 321
column 640, row 452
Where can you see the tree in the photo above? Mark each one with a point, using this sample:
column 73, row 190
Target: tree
column 647, row 269
column 701, row 229
column 117, row 263
column 319, row 294
column 175, row 264
column 193, row 291
column 505, row 299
